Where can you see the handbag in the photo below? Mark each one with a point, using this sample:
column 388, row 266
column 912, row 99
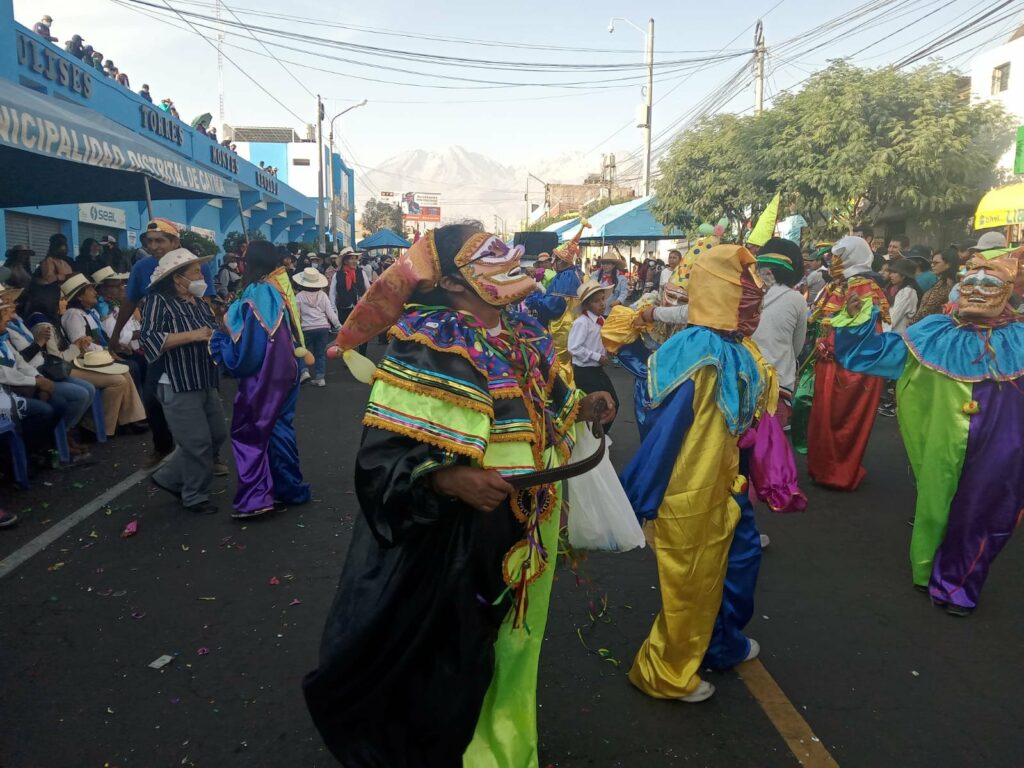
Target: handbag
column 54, row 368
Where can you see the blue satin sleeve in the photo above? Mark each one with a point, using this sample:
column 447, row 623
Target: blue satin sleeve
column 862, row 349
column 633, row 357
column 646, row 477
column 242, row 358
column 545, row 306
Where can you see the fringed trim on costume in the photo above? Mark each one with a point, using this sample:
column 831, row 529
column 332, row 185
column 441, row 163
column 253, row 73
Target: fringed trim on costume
column 421, row 436
column 422, row 338
column 434, row 392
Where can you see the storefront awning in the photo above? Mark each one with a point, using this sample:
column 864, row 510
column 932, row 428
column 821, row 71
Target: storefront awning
column 1001, row 207
column 632, row 220
column 53, row 152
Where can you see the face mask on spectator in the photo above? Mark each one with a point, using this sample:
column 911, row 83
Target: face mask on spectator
column 197, row 288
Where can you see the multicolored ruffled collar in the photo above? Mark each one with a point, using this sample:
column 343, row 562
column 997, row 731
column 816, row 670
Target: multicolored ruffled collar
column 741, row 389
column 965, row 352
column 520, row 347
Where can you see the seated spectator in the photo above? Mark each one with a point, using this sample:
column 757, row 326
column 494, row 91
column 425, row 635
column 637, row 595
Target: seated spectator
column 55, row 266
column 43, row 305
column 82, row 318
column 110, row 288
column 42, row 28
column 90, row 257
column 113, row 257
column 19, row 262
column 71, row 398
column 144, row 93
column 74, row 46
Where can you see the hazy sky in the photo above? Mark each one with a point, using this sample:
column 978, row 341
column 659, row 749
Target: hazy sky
column 513, row 125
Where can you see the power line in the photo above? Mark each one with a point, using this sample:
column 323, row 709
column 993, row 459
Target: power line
column 287, row 71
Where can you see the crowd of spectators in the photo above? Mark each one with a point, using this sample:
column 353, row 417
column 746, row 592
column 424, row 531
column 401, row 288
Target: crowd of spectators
column 77, row 47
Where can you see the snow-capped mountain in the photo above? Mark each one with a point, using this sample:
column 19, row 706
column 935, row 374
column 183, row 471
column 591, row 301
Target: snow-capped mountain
column 472, row 185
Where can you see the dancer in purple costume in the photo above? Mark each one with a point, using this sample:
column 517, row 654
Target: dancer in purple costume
column 260, row 347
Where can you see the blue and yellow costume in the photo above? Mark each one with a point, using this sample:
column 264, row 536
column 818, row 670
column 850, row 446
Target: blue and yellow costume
column 707, row 385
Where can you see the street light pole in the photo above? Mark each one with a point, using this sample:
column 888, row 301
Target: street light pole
column 321, row 245
column 759, row 54
column 645, row 122
column 527, row 196
column 334, row 224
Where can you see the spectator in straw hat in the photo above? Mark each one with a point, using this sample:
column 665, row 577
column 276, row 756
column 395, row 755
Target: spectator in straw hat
column 42, row 307
column 176, row 328
column 318, row 318
column 611, row 273
column 585, row 345
column 19, row 262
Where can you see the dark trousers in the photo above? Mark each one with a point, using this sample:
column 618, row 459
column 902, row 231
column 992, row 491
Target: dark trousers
column 163, row 441
column 594, row 379
column 343, row 313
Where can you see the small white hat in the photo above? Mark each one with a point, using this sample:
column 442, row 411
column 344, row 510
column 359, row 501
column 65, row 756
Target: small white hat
column 310, row 277
column 73, row 285
column 100, row 361
column 346, row 251
column 174, row 260
column 108, row 273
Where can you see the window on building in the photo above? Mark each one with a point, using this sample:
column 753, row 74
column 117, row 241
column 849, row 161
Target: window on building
column 300, row 161
column 1000, row 78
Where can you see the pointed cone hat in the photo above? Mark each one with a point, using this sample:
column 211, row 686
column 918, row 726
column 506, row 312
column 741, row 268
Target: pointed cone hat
column 765, row 226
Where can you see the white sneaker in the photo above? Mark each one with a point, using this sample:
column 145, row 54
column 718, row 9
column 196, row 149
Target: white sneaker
column 765, row 541
column 304, row 377
column 755, row 650
column 704, row 692
column 318, row 383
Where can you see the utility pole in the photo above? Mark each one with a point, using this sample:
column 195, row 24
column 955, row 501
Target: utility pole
column 220, row 68
column 759, row 55
column 649, row 106
column 321, row 243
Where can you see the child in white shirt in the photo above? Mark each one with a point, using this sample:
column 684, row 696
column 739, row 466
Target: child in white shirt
column 585, row 345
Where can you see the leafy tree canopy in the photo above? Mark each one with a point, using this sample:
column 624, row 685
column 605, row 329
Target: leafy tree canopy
column 378, row 216
column 851, row 145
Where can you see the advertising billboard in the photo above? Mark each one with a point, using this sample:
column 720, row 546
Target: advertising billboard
column 416, row 206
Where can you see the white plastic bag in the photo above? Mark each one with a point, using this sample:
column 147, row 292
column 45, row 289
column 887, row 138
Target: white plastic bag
column 600, row 515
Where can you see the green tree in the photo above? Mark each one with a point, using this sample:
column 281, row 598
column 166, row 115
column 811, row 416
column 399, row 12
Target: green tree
column 234, row 240
column 853, row 144
column 378, row 216
column 200, row 244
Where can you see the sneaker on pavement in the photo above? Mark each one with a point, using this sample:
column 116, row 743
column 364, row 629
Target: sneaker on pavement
column 755, row 650
column 220, row 469
column 304, row 377
column 318, row 383
column 765, row 541
column 704, row 692
column 7, row 519
column 254, row 513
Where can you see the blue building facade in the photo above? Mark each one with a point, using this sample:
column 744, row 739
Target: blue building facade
column 264, row 202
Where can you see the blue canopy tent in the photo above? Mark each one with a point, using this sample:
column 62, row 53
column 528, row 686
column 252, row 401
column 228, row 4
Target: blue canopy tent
column 383, row 238
column 561, row 226
column 55, row 152
column 632, row 220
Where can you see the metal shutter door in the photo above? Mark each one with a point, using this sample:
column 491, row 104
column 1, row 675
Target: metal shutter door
column 34, row 230
column 86, row 231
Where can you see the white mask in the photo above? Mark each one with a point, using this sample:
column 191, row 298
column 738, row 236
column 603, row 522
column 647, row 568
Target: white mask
column 197, row 288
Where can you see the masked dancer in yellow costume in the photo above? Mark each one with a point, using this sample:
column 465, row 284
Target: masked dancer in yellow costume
column 708, row 384
column 430, row 653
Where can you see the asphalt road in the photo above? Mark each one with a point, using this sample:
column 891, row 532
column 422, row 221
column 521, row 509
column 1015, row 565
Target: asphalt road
column 881, row 677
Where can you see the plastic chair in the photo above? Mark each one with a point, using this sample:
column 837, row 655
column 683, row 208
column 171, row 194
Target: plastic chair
column 98, row 420
column 60, row 440
column 18, row 455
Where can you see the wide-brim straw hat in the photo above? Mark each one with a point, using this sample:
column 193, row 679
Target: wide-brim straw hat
column 310, row 277
column 609, row 257
column 173, row 261
column 9, row 297
column 590, row 288
column 74, row 285
column 100, row 361
column 108, row 273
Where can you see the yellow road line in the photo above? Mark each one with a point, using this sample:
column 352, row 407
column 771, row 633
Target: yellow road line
column 793, row 729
